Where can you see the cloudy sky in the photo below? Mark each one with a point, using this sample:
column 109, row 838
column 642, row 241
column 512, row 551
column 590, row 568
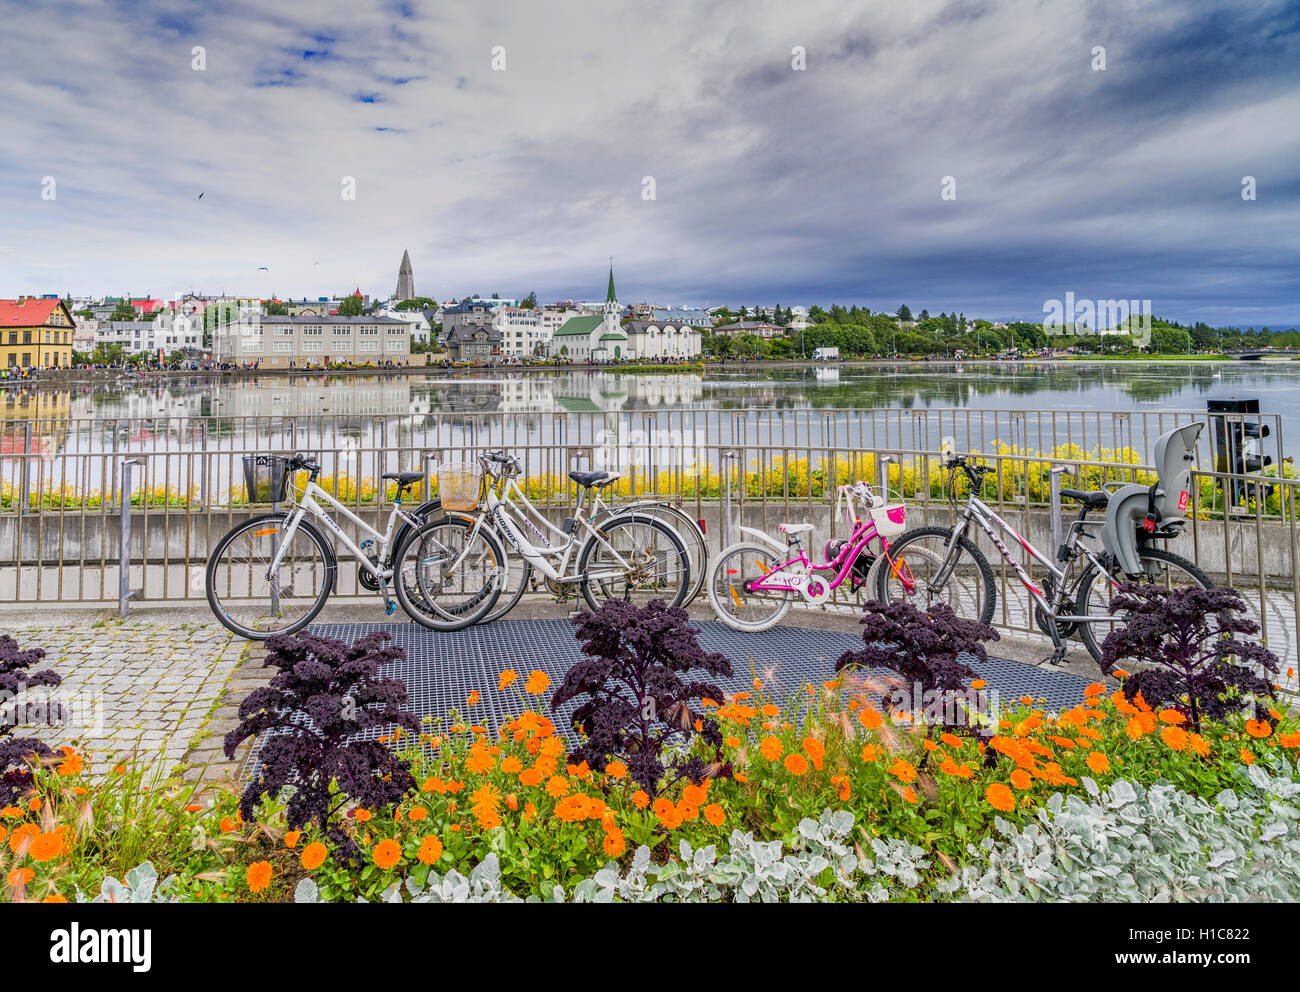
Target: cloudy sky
column 771, row 183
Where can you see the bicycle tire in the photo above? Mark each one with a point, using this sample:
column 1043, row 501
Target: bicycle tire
column 781, row 603
column 426, row 613
column 897, row 553
column 210, row 577
column 590, row 546
column 1087, row 631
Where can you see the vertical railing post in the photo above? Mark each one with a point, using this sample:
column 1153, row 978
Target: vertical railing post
column 1054, row 506
column 24, row 470
column 728, row 460
column 124, row 540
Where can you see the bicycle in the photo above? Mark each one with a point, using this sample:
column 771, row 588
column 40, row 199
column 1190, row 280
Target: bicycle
column 519, row 576
column 627, row 555
column 753, row 585
column 942, row 564
column 274, row 572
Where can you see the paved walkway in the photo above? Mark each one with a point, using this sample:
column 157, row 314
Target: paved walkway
column 135, row 686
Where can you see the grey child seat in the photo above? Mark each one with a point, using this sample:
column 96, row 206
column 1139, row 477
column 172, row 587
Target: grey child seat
column 1135, row 512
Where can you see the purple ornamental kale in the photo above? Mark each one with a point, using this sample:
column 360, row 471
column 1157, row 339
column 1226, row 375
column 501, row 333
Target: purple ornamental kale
column 1189, row 635
column 18, row 755
column 638, row 701
column 325, row 693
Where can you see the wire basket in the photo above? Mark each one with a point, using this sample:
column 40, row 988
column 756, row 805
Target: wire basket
column 459, row 486
column 890, row 519
column 267, row 478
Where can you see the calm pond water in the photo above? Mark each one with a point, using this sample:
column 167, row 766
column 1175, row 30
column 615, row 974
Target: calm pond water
column 1035, row 405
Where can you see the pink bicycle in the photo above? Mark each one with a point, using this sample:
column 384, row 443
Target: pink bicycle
column 754, row 583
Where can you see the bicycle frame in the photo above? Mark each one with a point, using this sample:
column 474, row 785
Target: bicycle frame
column 983, row 515
column 308, row 503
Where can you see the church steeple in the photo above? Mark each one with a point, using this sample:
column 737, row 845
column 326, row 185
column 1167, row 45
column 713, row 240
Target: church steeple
column 405, row 278
column 610, row 295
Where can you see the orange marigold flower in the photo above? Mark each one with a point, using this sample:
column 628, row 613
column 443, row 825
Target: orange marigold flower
column 362, row 815
column 1000, row 797
column 506, row 679
column 614, row 843
column 909, row 794
column 904, row 771
column 313, row 855
column 430, row 850
column 386, row 854
column 640, row 800
column 46, row 847
column 616, row 769
column 868, row 753
column 70, row 765
column 1171, row 716
column 1135, row 729
column 771, row 748
column 227, row 824
column 479, row 761
column 1291, row 741
column 530, row 777
column 870, row 718
column 796, row 764
column 769, row 710
column 1247, row 757
column 21, row 876
column 733, row 742
column 841, row 782
column 978, row 684
column 694, row 795
column 55, row 897
column 1093, row 689
column 1198, row 744
column 952, row 740
column 258, row 876
column 557, row 786
column 11, row 811
column 193, row 808
column 1175, row 737
column 715, row 814
column 538, row 682
column 291, row 839
column 662, row 807
column 418, row 814
column 1021, row 779
column 1098, row 762
column 473, row 699
column 929, row 745
column 1259, row 728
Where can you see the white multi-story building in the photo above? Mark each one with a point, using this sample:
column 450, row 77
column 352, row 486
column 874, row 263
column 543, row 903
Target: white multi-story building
column 132, row 335
column 653, row 339
column 526, row 333
column 299, row 341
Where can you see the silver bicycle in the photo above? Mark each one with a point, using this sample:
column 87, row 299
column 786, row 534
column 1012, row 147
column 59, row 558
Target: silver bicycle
column 602, row 552
column 274, row 572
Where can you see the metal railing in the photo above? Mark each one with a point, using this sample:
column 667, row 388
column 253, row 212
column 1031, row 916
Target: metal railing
column 89, row 518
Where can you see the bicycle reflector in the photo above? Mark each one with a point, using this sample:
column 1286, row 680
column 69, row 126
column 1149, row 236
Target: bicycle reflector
column 703, row 529
column 264, row 531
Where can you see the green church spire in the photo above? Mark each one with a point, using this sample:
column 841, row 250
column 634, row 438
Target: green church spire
column 610, row 296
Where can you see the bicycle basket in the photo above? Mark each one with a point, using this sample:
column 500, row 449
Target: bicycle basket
column 890, row 519
column 459, row 486
column 267, row 478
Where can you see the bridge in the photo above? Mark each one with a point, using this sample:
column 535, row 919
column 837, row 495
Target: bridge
column 1255, row 354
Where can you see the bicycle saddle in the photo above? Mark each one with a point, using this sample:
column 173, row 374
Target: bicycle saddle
column 404, row 478
column 595, row 478
column 795, row 528
column 1094, row 500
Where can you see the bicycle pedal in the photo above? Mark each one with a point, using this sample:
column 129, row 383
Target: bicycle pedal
column 390, row 608
column 1057, row 656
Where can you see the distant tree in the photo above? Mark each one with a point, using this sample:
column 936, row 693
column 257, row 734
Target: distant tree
column 495, row 296
column 124, row 310
column 416, row 303
column 529, row 302
column 903, row 313
column 925, row 315
column 273, row 309
column 351, row 306
column 742, row 314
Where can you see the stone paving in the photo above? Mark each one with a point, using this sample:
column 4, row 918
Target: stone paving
column 137, row 686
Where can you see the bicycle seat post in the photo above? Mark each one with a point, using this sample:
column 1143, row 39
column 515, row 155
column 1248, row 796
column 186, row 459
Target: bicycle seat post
column 1054, row 505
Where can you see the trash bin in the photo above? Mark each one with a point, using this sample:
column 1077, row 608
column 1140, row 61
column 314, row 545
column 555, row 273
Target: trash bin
column 1237, row 440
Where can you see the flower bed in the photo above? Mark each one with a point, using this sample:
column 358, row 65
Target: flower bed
column 832, row 796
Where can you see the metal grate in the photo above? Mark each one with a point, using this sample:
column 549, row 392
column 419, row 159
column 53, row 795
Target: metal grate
column 441, row 670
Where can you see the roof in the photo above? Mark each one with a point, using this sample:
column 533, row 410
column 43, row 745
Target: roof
column 306, row 318
column 466, row 332
column 614, row 336
column 580, row 325
column 639, row 326
column 30, row 312
column 610, row 296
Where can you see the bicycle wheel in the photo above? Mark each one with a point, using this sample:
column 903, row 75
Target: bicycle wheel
column 693, row 539
column 634, row 558
column 739, row 608
column 915, row 560
column 1159, row 566
column 252, row 602
column 517, row 576
column 448, row 575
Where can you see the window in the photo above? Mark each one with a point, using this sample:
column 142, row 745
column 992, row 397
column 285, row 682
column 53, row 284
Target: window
column 369, row 331
column 284, row 346
column 27, row 339
column 13, row 337
column 396, row 346
column 368, row 346
column 311, row 346
column 27, row 358
column 342, row 347
column 13, row 359
column 311, row 330
column 252, row 345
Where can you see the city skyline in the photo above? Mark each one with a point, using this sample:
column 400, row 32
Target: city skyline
column 509, row 150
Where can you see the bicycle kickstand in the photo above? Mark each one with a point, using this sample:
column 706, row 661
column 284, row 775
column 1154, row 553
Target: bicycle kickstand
column 1059, row 649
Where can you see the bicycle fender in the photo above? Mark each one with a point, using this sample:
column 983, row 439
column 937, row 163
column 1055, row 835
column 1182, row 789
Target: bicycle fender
column 763, row 536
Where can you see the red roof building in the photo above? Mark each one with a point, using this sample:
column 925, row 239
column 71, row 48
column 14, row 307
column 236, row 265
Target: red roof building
column 35, row 333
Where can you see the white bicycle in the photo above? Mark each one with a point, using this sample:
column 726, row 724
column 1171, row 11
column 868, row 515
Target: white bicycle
column 273, row 573
column 631, row 554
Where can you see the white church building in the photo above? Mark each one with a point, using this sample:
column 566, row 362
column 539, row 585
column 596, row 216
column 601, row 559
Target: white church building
column 600, row 337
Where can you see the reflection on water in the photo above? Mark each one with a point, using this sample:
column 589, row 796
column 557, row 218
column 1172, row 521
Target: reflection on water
column 80, row 418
